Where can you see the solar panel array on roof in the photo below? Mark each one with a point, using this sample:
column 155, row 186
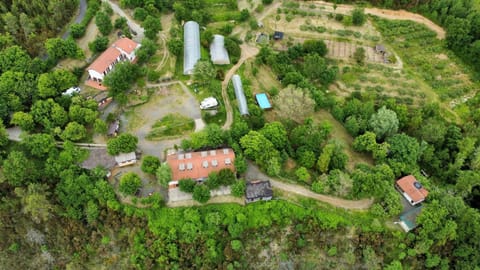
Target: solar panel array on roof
column 218, row 53
column 191, row 46
column 240, row 95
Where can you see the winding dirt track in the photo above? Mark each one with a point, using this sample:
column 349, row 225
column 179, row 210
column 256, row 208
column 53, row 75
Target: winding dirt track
column 388, row 14
column 254, row 173
column 247, row 52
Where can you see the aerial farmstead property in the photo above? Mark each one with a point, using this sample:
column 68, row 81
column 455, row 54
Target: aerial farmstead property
column 198, row 165
column 191, row 46
column 123, row 49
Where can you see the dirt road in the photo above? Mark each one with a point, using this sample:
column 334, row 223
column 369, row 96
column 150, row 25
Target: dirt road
column 247, row 52
column 387, row 14
column 131, row 23
column 254, row 173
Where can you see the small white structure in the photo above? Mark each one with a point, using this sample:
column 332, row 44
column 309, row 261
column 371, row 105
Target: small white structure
column 70, row 91
column 191, row 46
column 218, row 53
column 208, row 103
column 125, row 159
column 240, row 95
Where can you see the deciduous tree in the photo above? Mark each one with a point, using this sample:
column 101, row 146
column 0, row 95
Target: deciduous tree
column 294, row 104
column 203, row 72
column 384, row 123
column 130, row 183
column 150, row 164
column 103, row 22
column 164, row 174
column 152, row 25
column 201, row 193
column 35, row 202
column 124, row 143
column 74, row 132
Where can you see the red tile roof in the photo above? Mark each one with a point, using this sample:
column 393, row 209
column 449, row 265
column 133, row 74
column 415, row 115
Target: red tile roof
column 105, row 59
column 126, row 44
column 412, row 188
column 197, row 165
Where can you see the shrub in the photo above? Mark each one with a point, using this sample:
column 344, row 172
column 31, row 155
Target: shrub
column 339, row 17
column 100, row 44
column 238, row 189
column 130, row 183
column 358, row 17
column 139, row 14
column 226, row 177
column 150, row 164
column 201, row 193
column 318, row 187
column 77, row 30
column 213, row 181
column 187, row 185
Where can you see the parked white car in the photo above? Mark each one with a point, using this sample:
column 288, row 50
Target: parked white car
column 70, row 91
column 208, row 103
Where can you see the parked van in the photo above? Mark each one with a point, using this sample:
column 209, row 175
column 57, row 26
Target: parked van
column 208, row 103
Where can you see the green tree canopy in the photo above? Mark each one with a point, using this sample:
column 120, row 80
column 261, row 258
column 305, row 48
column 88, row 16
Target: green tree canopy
column 384, row 123
column 18, row 169
column 150, row 164
column 74, row 132
column 201, row 193
column 130, row 183
column 276, row 133
column 164, row 174
column 152, row 25
column 124, row 143
column 103, row 22
column 53, row 83
column 35, row 202
column 203, row 72
column 39, row 144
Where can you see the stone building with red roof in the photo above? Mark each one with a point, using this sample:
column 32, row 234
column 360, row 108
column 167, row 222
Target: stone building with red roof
column 198, row 165
column 123, row 49
column 411, row 189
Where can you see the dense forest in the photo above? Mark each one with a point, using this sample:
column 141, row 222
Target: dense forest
column 29, row 24
column 56, row 214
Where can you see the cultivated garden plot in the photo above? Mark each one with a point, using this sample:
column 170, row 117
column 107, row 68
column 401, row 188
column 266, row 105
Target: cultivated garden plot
column 345, row 50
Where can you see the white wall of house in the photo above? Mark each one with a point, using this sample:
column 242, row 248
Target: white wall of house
column 95, row 75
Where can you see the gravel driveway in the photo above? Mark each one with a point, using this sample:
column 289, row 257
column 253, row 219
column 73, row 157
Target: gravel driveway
column 168, row 99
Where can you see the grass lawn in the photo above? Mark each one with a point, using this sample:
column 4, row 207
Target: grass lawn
column 171, row 125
